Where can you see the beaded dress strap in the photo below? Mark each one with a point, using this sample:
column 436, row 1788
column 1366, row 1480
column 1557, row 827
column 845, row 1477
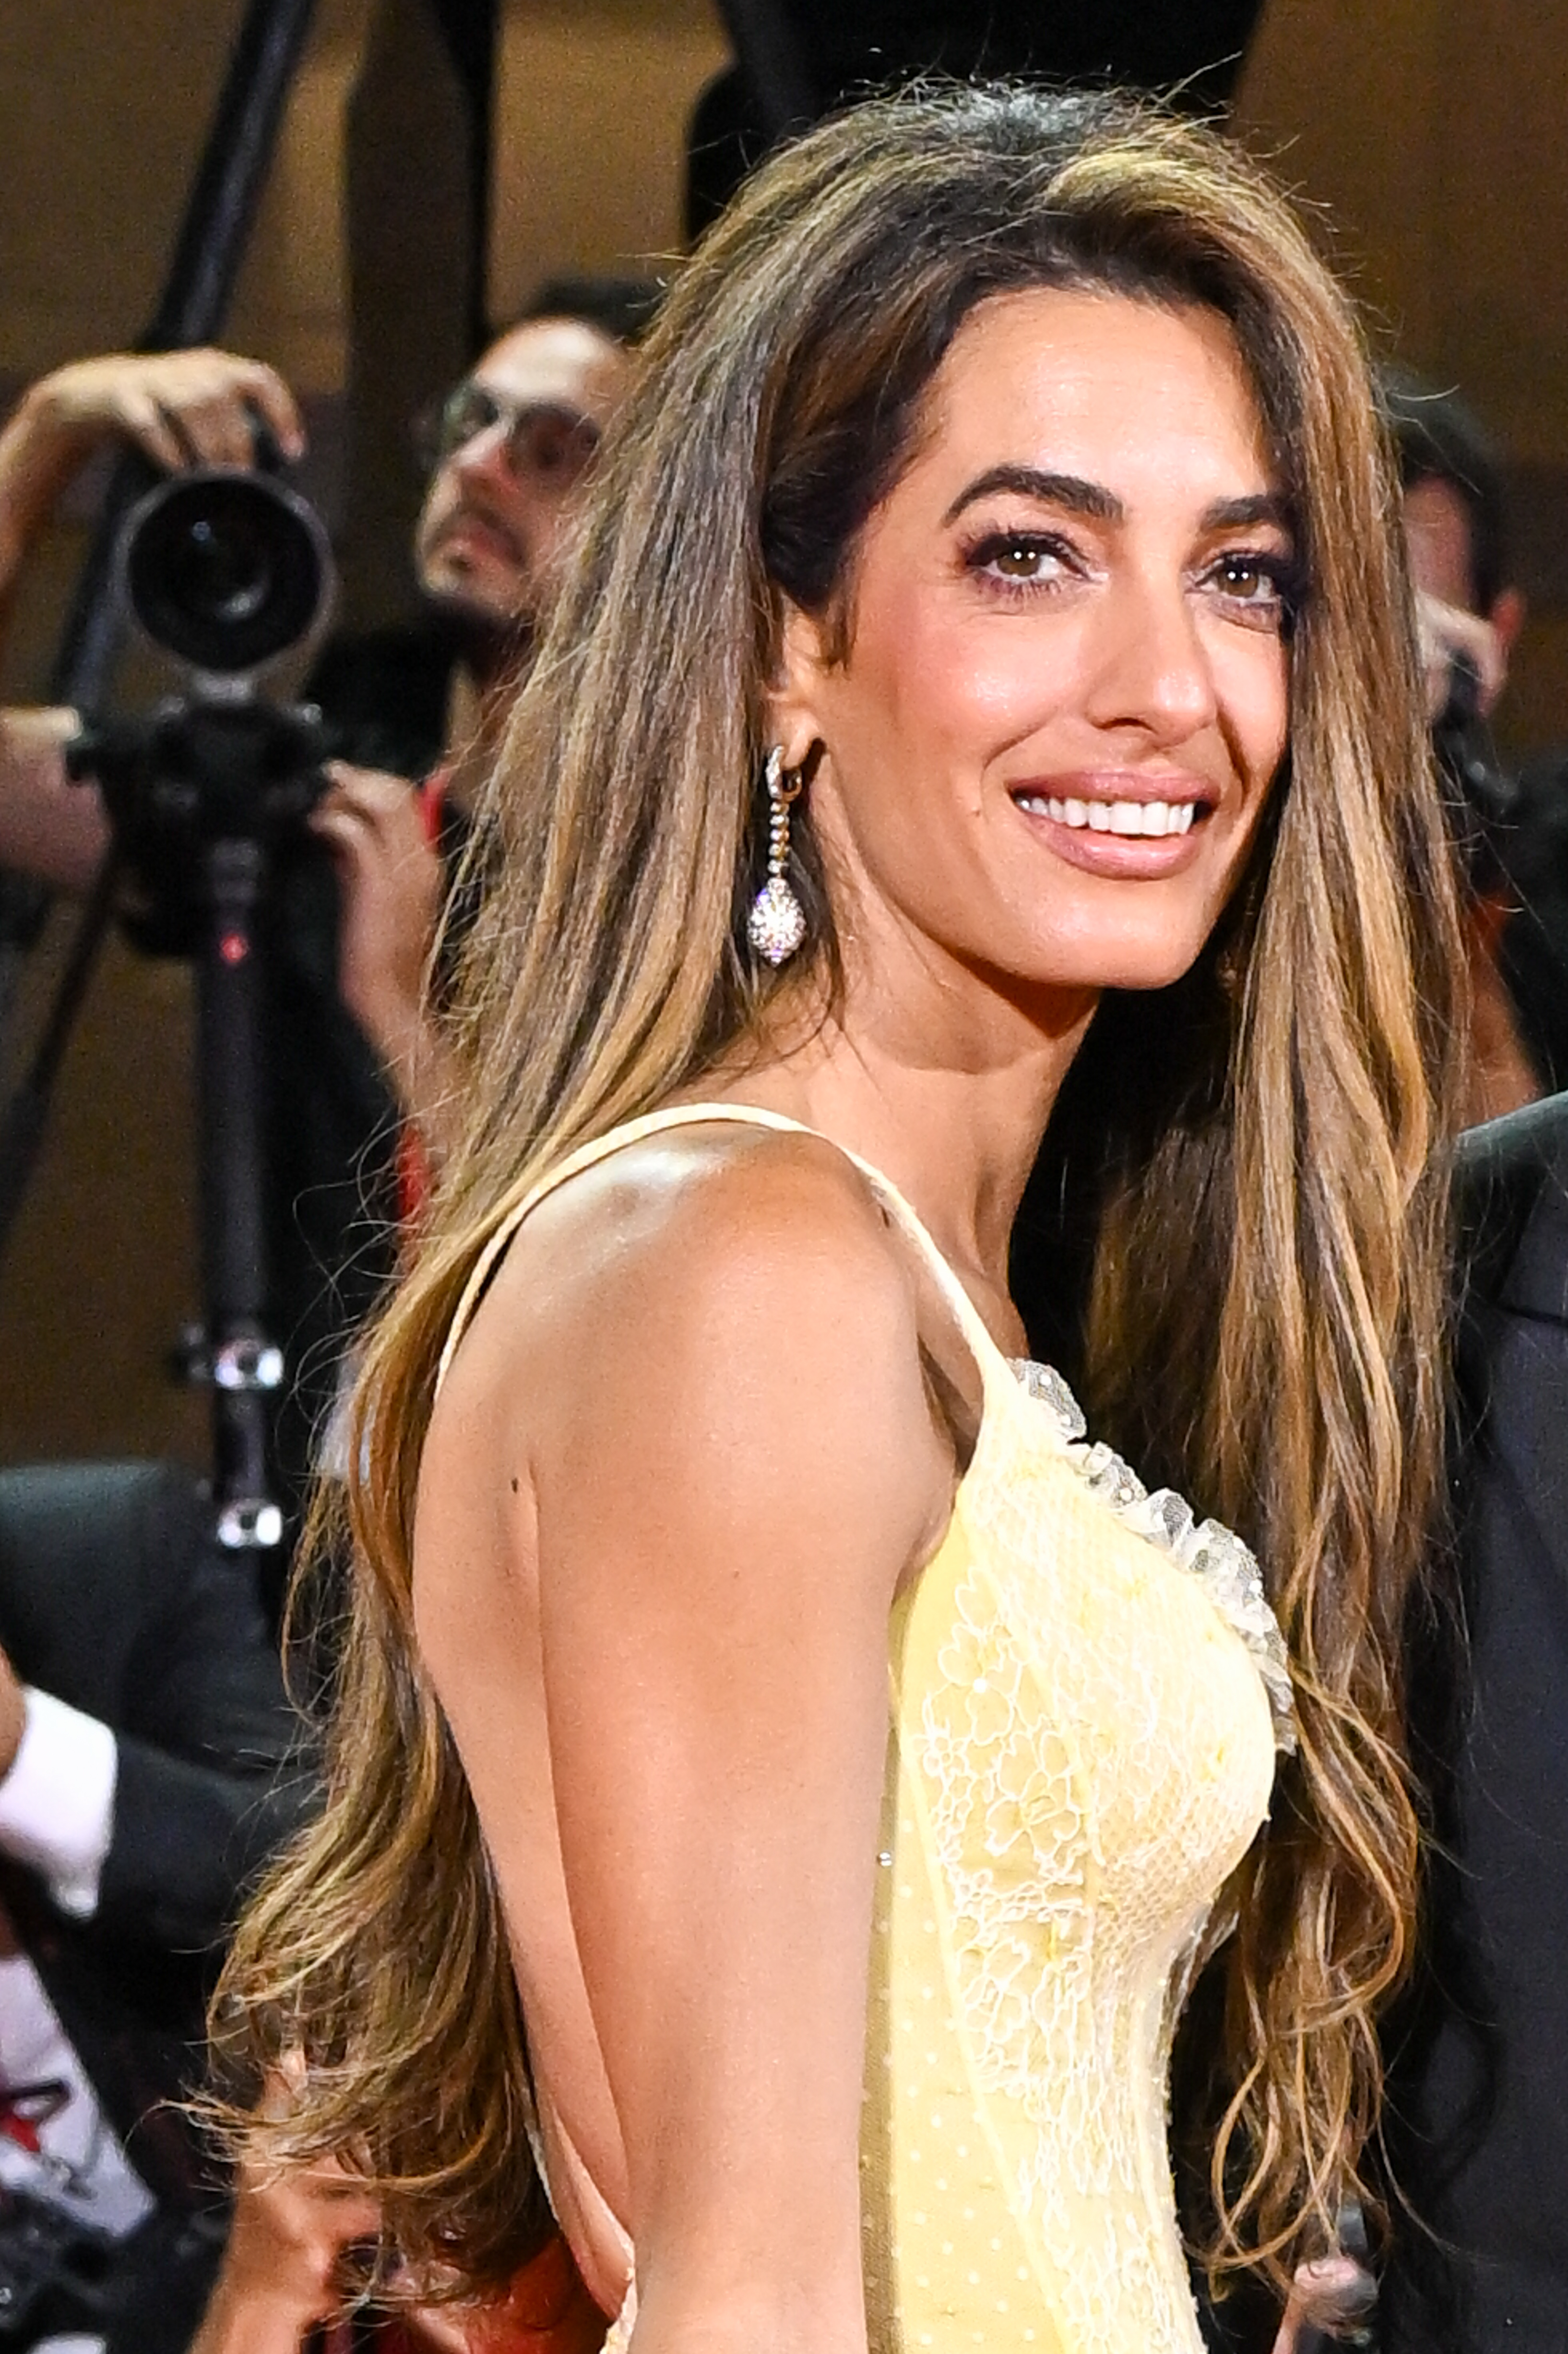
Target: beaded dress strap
column 995, row 1372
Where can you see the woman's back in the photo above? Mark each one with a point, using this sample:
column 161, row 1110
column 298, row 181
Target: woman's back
column 1078, row 1750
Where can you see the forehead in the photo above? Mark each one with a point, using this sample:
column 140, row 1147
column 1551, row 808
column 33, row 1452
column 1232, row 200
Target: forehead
column 1141, row 396
column 564, row 362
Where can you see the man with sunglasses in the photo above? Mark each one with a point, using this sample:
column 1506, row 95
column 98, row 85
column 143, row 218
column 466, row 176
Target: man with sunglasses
column 507, row 450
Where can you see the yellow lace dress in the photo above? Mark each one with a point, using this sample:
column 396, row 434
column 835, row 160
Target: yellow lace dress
column 1087, row 1692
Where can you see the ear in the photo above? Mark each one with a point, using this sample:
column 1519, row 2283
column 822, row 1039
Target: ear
column 794, row 702
column 1507, row 618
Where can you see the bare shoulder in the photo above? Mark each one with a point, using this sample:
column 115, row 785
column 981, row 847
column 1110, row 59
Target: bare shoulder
column 697, row 1236
column 709, row 1291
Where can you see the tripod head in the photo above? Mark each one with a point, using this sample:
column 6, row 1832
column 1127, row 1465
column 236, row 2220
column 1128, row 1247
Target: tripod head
column 198, row 770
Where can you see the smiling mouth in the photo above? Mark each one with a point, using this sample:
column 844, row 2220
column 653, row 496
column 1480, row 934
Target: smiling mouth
column 1143, row 820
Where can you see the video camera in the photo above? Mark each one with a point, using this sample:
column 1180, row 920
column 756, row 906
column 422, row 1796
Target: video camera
column 228, row 571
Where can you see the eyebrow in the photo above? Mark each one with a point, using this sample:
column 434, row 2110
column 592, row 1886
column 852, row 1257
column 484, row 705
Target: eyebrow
column 1093, row 500
column 1069, row 491
column 1240, row 514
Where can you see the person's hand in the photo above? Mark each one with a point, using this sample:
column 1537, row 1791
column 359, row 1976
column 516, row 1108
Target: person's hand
column 182, row 409
column 278, row 2278
column 1447, row 634
column 289, row 2232
column 12, row 1714
column 394, row 885
column 1335, row 2293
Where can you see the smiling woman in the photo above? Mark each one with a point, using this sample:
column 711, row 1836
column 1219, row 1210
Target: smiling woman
column 782, row 1776
column 1092, row 646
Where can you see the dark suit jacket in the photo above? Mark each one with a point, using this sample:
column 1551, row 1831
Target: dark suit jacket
column 113, row 1597
column 1480, row 2092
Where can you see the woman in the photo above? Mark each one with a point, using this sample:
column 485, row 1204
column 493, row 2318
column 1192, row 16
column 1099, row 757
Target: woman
column 986, row 653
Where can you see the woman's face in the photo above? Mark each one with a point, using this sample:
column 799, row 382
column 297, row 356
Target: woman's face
column 1048, row 748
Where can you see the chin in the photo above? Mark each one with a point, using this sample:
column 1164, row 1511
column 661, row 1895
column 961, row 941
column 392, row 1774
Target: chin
column 464, row 605
column 1123, row 965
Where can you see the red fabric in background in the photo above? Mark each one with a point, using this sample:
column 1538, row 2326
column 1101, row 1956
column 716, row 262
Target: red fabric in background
column 547, row 2311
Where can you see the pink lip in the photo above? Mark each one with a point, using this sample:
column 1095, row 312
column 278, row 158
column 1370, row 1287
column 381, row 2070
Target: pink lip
column 1118, row 857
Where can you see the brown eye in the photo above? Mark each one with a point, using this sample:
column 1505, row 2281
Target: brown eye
column 1017, row 560
column 1247, row 578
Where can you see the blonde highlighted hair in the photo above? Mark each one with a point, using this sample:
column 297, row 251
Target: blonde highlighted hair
column 1264, row 1143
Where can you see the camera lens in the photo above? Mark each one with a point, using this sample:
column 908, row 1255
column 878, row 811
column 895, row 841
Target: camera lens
column 226, row 570
column 223, row 576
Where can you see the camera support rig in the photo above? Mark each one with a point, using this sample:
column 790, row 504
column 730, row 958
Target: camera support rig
column 200, row 792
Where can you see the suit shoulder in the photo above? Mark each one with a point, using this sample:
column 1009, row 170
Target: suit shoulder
column 1500, row 1172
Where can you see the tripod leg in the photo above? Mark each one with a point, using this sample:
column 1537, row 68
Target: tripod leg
column 244, row 1366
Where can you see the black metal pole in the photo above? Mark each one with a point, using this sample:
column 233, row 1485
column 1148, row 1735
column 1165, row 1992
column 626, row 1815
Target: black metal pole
column 242, row 1365
column 22, row 1123
column 468, row 30
column 769, row 52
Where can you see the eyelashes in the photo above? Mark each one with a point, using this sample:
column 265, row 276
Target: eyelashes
column 993, row 551
column 1282, row 575
column 1031, row 563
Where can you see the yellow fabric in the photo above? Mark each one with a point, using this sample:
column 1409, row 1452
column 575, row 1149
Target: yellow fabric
column 1080, row 1750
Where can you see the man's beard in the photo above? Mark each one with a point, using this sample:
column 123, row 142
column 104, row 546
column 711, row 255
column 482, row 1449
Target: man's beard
column 488, row 648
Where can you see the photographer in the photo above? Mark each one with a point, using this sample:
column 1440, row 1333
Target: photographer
column 180, row 408
column 144, row 1733
column 1469, row 614
column 348, row 920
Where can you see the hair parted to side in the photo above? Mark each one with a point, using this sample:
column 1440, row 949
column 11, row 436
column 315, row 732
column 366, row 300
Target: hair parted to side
column 1269, row 1296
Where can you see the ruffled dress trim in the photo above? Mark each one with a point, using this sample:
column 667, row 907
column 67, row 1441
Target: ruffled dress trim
column 1224, row 1567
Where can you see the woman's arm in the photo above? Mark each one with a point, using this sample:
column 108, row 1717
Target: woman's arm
column 732, row 1462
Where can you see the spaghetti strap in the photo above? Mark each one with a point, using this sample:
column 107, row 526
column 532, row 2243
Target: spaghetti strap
column 514, row 1208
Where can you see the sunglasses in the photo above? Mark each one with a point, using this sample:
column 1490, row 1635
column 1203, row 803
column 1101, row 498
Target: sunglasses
column 540, row 438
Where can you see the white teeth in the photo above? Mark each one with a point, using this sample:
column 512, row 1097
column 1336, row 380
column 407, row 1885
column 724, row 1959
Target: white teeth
column 1150, row 819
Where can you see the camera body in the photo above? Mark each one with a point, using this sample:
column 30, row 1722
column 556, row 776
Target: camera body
column 228, row 571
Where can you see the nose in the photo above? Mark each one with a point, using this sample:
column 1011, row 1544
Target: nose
column 1152, row 670
column 486, row 453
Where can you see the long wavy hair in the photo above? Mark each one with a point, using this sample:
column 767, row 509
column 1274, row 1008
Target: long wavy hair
column 1264, row 1143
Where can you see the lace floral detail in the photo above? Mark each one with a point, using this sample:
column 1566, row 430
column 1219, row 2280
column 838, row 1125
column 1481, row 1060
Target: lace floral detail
column 1093, row 1763
column 1226, row 1569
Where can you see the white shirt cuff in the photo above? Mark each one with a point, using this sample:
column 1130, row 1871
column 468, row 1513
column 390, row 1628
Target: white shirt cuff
column 57, row 1804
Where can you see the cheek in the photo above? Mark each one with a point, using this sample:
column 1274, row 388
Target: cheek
column 439, row 502
column 1253, row 685
column 958, row 680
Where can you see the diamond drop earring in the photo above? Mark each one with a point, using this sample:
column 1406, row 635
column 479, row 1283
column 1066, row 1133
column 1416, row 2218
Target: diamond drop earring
column 777, row 923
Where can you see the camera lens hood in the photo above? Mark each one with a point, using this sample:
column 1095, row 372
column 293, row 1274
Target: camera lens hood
column 226, row 569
